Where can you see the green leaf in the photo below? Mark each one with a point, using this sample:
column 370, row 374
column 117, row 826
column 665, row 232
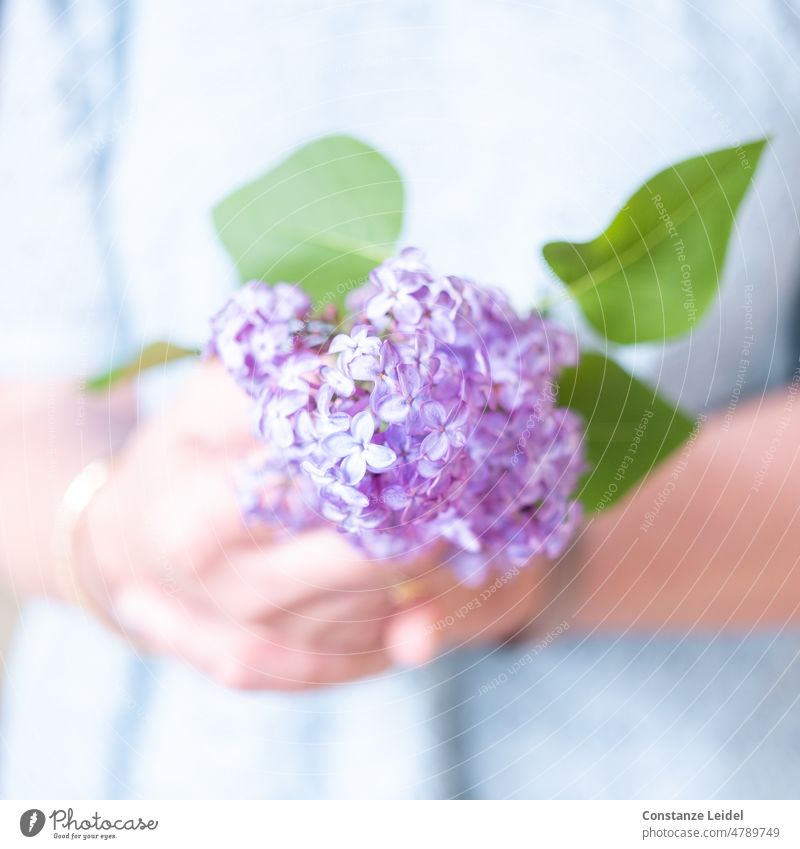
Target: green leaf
column 655, row 271
column 151, row 356
column 324, row 218
column 630, row 428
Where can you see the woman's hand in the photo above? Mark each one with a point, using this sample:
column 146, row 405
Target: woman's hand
column 175, row 564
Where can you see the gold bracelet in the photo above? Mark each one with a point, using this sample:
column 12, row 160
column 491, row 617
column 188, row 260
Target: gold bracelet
column 408, row 590
column 72, row 509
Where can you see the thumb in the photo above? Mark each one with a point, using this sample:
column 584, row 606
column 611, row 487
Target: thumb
column 416, row 635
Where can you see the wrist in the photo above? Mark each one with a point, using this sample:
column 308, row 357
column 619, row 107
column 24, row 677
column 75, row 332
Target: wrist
column 560, row 592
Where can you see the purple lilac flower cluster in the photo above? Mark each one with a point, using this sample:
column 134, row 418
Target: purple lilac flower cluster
column 433, row 417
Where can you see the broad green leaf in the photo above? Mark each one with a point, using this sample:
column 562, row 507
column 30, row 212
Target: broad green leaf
column 151, row 356
column 630, row 428
column 655, row 271
column 323, row 218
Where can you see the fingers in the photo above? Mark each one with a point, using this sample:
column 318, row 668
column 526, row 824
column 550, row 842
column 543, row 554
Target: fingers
column 336, row 637
column 324, row 558
column 215, row 412
column 192, row 524
column 315, row 568
column 501, row 608
column 256, row 580
column 412, row 637
column 238, row 656
column 293, row 608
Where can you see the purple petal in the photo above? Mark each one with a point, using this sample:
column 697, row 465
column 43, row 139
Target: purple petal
column 379, row 457
column 389, row 357
column 471, row 569
column 363, row 367
column 324, row 398
column 337, row 421
column 378, row 306
column 459, row 532
column 409, row 379
column 442, row 327
column 459, row 416
column 428, row 468
column 425, row 346
column 332, row 511
column 392, row 408
column 304, row 362
column 304, row 427
column 432, row 366
column 340, row 343
column 408, row 310
column 320, row 476
column 281, row 432
column 290, row 402
column 365, row 343
column 435, row 446
column 339, row 445
column 457, row 438
column 341, row 383
column 371, row 346
column 347, row 494
column 354, row 467
column 384, row 278
column 363, row 426
column 290, row 301
column 434, row 415
column 396, row 498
